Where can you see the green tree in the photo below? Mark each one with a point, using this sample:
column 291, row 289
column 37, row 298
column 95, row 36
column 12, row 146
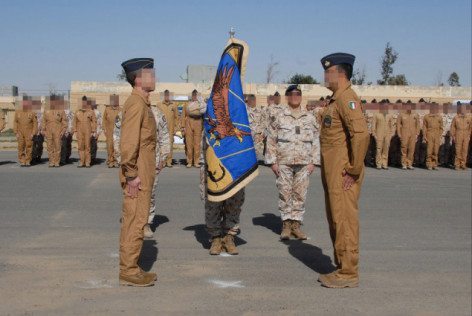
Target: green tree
column 454, row 80
column 386, row 72
column 302, row 79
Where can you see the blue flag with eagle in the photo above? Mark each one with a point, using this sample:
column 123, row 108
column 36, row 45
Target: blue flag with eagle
column 230, row 156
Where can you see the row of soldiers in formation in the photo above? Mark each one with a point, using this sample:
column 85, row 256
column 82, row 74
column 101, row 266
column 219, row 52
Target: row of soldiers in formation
column 58, row 124
column 400, row 139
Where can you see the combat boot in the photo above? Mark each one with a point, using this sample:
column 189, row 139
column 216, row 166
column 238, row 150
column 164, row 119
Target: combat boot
column 297, row 232
column 150, row 274
column 139, row 279
column 229, row 245
column 189, row 165
column 332, row 280
column 286, row 229
column 216, row 246
column 147, row 231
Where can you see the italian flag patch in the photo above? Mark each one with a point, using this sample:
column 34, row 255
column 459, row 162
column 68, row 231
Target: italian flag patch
column 352, row 105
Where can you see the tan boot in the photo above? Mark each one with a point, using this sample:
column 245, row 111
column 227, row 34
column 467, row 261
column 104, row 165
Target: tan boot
column 229, row 245
column 216, row 246
column 139, row 279
column 151, row 274
column 332, row 280
column 297, row 232
column 147, row 231
column 286, row 229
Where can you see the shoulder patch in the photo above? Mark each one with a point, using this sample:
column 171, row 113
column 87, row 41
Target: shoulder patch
column 352, row 105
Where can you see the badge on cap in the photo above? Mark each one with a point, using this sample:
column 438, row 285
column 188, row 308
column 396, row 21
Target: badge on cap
column 327, row 63
column 352, row 105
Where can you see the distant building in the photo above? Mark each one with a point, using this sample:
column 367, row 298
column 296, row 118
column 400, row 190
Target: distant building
column 200, row 74
column 8, row 91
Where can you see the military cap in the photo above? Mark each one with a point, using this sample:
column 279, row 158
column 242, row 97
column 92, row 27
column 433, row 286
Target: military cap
column 337, row 59
column 136, row 64
column 276, row 94
column 291, row 88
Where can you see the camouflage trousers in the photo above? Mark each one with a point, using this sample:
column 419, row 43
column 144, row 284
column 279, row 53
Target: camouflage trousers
column 116, row 147
column 152, row 208
column 293, row 184
column 259, row 147
column 316, row 144
column 223, row 217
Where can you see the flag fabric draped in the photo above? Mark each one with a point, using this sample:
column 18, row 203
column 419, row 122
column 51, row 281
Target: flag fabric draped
column 230, row 155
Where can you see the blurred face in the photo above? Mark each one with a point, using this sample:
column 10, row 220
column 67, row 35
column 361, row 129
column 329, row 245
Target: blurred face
column 270, row 100
column 294, row 98
column 251, row 102
column 166, row 96
column 408, row 108
column 194, row 96
column 332, row 76
column 146, row 80
column 460, row 109
column 27, row 105
column 277, row 99
column 433, row 109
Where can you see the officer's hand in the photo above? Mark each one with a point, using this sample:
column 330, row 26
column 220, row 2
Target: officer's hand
column 348, row 180
column 310, row 168
column 133, row 186
column 275, row 169
column 425, row 141
column 94, row 134
column 159, row 167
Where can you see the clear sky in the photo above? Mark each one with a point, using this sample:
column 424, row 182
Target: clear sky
column 50, row 42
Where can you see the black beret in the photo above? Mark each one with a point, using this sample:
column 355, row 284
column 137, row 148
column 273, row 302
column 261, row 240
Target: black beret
column 291, row 88
column 276, row 94
column 84, row 98
column 194, row 91
column 136, row 64
column 337, row 59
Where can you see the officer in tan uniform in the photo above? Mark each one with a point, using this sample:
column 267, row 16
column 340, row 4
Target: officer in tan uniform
column 461, row 127
column 109, row 117
column 408, row 128
column 54, row 126
column 25, row 126
column 432, row 134
column 291, row 154
column 344, row 141
column 138, row 168
column 170, row 111
column 193, row 123
column 85, row 125
column 382, row 130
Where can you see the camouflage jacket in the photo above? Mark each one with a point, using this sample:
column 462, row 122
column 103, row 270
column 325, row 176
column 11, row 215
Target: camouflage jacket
column 291, row 137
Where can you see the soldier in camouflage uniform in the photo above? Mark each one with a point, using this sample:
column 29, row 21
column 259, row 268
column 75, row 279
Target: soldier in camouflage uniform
column 221, row 218
column 445, row 149
column 254, row 113
column 94, row 139
column 162, row 152
column 116, row 137
column 291, row 154
column 3, row 122
column 38, row 139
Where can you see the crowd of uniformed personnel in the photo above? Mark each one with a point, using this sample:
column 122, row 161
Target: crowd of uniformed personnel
column 336, row 133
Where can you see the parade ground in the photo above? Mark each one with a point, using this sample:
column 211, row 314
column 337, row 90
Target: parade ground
column 59, row 232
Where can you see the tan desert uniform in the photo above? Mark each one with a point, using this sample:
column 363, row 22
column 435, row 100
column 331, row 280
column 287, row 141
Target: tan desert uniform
column 25, row 125
column 344, row 141
column 460, row 131
column 382, row 130
column 408, row 128
column 138, row 159
column 2, row 120
column 290, row 145
column 54, row 125
column 170, row 111
column 109, row 117
column 193, row 123
column 432, row 133
column 84, row 125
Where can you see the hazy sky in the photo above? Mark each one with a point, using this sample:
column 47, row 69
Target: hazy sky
column 49, row 42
